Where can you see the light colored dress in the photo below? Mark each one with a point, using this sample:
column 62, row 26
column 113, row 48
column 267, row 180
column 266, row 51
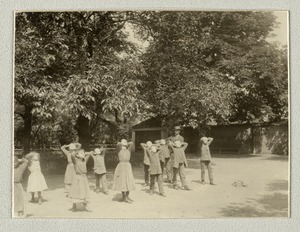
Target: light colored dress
column 36, row 180
column 123, row 178
column 70, row 172
column 19, row 204
column 80, row 190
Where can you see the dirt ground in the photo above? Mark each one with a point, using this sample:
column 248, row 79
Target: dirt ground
column 266, row 194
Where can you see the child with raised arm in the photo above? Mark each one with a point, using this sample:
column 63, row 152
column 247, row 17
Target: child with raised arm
column 80, row 190
column 179, row 162
column 36, row 180
column 68, row 150
column 123, row 177
column 146, row 161
column 19, row 168
column 205, row 160
column 165, row 159
column 155, row 169
column 100, row 169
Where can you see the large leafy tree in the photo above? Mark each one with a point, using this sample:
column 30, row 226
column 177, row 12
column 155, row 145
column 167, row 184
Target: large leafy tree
column 76, row 62
column 212, row 66
column 39, row 74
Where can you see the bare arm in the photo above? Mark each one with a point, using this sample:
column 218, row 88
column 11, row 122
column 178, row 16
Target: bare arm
column 185, row 144
column 87, row 156
column 144, row 145
column 118, row 147
column 171, row 146
column 209, row 140
column 23, row 165
column 64, row 149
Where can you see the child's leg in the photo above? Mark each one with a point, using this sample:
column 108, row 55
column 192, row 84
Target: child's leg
column 97, row 177
column 40, row 197
column 202, row 165
column 162, row 165
column 152, row 182
column 160, row 184
column 210, row 175
column 175, row 171
column 86, row 207
column 123, row 196
column 168, row 169
column 32, row 196
column 127, row 197
column 182, row 176
column 146, row 171
column 103, row 182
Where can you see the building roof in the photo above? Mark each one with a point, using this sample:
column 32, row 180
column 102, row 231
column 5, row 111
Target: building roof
column 151, row 122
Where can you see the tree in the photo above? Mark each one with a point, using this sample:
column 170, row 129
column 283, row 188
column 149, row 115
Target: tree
column 39, row 52
column 199, row 63
column 74, row 61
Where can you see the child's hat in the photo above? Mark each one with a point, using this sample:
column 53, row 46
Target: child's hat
column 97, row 151
column 74, row 146
column 149, row 144
column 163, row 142
column 177, row 128
column 124, row 142
column 153, row 148
column 177, row 144
column 203, row 139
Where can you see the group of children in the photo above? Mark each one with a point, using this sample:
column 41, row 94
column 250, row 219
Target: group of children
column 164, row 156
column 36, row 181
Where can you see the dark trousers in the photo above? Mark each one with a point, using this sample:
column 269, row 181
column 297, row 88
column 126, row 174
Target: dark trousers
column 157, row 177
column 207, row 164
column 146, row 170
column 180, row 171
column 101, row 178
column 168, row 169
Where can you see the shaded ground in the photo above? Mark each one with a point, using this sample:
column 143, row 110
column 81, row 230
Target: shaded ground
column 266, row 194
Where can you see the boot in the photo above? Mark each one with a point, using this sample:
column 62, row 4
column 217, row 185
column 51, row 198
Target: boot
column 40, row 200
column 74, row 209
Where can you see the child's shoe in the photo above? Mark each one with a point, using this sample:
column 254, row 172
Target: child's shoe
column 175, row 187
column 162, row 194
column 40, row 200
column 127, row 200
column 151, row 192
column 187, row 187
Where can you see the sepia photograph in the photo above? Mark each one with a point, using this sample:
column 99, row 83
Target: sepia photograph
column 151, row 114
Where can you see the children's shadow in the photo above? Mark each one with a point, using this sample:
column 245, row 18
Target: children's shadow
column 146, row 190
column 117, row 197
column 197, row 181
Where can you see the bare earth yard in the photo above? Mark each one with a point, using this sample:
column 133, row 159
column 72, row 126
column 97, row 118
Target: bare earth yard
column 266, row 194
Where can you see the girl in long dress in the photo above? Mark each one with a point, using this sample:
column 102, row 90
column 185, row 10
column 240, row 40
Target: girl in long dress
column 123, row 177
column 36, row 180
column 19, row 168
column 80, row 190
column 69, row 150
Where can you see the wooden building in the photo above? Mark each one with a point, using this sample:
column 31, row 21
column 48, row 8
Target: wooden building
column 233, row 138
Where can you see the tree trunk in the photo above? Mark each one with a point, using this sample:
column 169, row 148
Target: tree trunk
column 83, row 129
column 27, row 129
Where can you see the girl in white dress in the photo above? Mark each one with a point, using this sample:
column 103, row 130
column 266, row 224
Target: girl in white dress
column 36, row 180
